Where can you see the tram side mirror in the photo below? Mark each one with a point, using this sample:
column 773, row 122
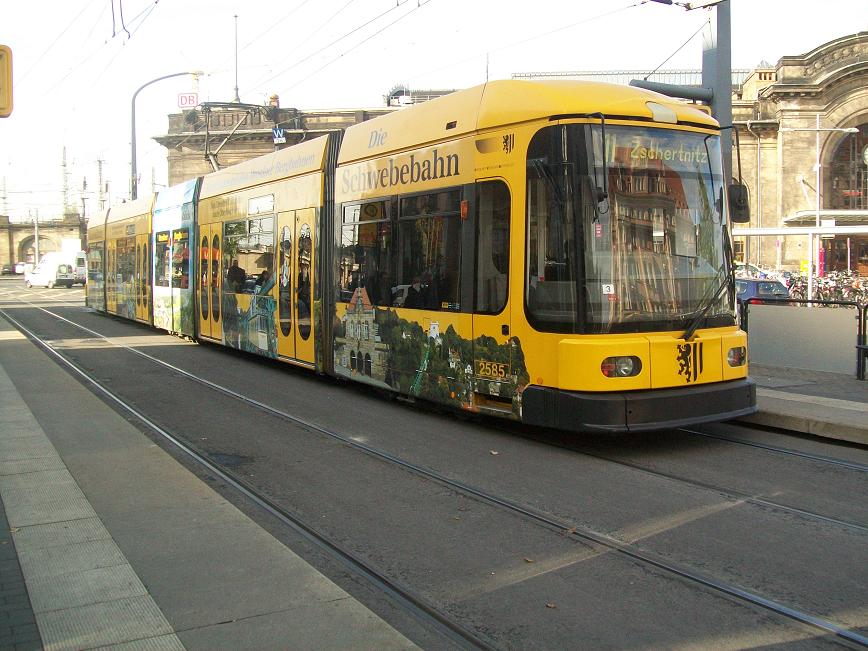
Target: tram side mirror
column 739, row 205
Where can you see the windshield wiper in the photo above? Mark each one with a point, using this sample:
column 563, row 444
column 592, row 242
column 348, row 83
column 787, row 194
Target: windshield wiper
column 725, row 281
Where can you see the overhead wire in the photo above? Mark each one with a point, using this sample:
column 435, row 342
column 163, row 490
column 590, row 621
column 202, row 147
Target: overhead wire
column 144, row 14
column 701, row 27
column 532, row 38
column 54, row 42
column 273, row 26
column 310, row 35
column 418, row 6
column 334, row 42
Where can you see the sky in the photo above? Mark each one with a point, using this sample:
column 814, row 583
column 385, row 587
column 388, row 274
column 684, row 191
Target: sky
column 77, row 64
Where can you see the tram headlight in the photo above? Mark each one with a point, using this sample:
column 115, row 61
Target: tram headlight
column 736, row 356
column 626, row 366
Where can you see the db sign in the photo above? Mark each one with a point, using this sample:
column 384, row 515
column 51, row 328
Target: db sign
column 188, row 100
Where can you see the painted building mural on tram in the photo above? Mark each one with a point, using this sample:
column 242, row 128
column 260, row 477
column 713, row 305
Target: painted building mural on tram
column 431, row 360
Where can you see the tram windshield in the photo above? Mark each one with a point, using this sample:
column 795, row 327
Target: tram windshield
column 650, row 255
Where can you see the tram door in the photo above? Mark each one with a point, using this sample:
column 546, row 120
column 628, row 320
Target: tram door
column 495, row 352
column 141, row 279
column 210, row 282
column 111, row 271
column 295, row 323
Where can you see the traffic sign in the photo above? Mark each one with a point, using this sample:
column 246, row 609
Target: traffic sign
column 188, row 100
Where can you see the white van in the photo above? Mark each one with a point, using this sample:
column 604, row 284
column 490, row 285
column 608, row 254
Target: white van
column 81, row 268
column 49, row 274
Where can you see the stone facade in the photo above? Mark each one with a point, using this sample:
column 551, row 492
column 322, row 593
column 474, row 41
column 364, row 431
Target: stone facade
column 17, row 239
column 235, row 133
column 778, row 165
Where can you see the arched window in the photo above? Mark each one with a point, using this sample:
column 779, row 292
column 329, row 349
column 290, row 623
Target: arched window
column 284, row 301
column 203, row 280
column 353, row 360
column 305, row 251
column 215, row 278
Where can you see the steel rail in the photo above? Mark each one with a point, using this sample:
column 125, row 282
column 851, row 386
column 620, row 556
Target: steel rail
column 852, row 465
column 603, row 540
column 735, row 495
column 402, row 595
column 731, row 493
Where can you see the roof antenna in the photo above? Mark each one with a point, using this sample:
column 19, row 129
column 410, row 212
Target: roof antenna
column 237, row 98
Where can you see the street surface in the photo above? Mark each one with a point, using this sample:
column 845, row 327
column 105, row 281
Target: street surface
column 792, row 530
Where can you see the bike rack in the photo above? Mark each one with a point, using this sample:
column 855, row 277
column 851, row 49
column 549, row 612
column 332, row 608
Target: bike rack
column 861, row 317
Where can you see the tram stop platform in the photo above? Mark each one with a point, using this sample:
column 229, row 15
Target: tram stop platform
column 827, row 405
column 107, row 542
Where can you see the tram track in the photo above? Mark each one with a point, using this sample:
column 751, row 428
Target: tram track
column 730, row 493
column 861, row 467
column 411, row 602
column 587, row 534
column 733, row 495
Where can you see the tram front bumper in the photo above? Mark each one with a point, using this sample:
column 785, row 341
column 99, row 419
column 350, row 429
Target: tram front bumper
column 636, row 411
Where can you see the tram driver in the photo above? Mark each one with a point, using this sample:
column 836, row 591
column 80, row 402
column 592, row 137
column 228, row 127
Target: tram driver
column 236, row 277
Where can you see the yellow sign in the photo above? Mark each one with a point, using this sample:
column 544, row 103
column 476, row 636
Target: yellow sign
column 496, row 370
column 5, row 81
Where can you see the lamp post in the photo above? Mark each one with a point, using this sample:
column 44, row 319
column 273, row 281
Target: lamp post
column 133, row 180
column 818, row 168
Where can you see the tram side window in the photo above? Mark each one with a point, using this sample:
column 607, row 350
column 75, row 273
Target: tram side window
column 94, row 262
column 126, row 259
column 181, row 258
column 248, row 256
column 492, row 246
column 429, row 250
column 365, row 260
column 552, row 250
column 161, row 259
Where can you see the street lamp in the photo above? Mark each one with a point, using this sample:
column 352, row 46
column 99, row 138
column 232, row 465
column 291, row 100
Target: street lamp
column 134, row 190
column 818, row 168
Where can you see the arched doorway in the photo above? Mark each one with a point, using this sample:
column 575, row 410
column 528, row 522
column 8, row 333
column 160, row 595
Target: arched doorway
column 848, row 173
column 27, row 248
column 847, row 183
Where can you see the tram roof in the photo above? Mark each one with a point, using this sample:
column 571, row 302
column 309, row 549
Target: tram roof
column 299, row 159
column 501, row 103
column 129, row 209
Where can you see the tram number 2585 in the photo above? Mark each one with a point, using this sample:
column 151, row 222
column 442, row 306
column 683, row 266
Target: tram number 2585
column 494, row 370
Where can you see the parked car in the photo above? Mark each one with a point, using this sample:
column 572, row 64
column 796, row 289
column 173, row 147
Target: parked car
column 8, row 269
column 759, row 288
column 20, row 267
column 50, row 274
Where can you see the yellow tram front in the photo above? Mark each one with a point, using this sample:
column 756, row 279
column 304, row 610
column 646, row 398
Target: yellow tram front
column 627, row 315
column 556, row 252
column 628, row 301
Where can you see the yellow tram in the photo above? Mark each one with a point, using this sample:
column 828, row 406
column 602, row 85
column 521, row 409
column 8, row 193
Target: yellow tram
column 554, row 252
